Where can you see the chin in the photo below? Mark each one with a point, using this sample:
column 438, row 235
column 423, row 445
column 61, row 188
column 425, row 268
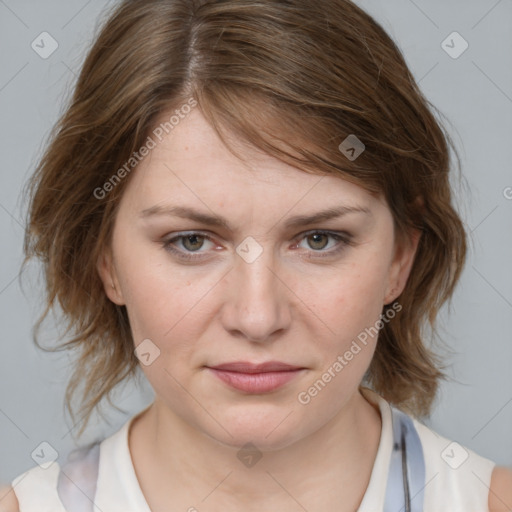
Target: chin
column 268, row 428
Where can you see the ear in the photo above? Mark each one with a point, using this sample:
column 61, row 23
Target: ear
column 401, row 265
column 106, row 270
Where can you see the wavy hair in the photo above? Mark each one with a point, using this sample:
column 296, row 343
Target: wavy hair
column 293, row 78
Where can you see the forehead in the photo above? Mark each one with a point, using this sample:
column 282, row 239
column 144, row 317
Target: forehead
column 190, row 164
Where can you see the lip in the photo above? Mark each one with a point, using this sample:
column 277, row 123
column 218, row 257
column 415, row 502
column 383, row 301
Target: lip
column 247, row 367
column 256, row 378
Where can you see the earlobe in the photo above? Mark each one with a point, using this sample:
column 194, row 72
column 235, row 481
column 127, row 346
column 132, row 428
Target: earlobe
column 107, row 273
column 401, row 266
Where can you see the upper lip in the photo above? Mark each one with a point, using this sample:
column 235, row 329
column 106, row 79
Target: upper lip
column 246, row 367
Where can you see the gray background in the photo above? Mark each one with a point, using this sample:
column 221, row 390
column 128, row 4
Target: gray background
column 474, row 91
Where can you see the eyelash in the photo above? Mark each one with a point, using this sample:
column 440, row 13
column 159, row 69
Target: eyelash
column 344, row 239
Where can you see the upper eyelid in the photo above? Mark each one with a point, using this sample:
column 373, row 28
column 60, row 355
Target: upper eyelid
column 341, row 235
column 206, row 234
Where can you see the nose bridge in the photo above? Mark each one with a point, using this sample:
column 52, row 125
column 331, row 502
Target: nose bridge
column 256, row 266
column 259, row 306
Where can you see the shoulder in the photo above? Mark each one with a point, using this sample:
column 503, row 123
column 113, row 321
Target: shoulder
column 8, row 500
column 500, row 492
column 33, row 490
column 458, row 478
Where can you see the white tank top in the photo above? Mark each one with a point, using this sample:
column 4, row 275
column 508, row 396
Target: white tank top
column 442, row 475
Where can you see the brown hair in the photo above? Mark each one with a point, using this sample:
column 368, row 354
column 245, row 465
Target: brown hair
column 293, row 78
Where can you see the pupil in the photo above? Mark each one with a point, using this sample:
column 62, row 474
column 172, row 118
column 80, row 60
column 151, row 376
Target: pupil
column 193, row 239
column 315, row 240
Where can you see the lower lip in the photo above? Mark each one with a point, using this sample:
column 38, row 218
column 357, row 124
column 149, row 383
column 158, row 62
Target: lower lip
column 255, row 382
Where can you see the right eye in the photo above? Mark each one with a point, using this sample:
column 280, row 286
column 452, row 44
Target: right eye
column 191, row 242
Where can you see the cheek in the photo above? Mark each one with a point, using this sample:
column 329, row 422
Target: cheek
column 350, row 298
column 152, row 297
column 165, row 302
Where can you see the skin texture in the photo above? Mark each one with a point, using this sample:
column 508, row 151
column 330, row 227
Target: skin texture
column 290, row 305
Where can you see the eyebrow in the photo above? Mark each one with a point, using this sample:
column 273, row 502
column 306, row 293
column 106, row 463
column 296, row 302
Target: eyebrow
column 218, row 221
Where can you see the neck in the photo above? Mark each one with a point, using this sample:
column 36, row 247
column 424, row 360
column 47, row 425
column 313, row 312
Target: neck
column 176, row 463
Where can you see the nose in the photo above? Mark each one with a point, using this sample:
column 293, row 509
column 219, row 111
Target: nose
column 257, row 301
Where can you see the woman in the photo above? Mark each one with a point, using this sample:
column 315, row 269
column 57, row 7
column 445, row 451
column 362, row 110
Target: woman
column 250, row 202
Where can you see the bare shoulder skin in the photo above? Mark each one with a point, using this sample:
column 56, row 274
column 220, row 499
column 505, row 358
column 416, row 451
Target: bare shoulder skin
column 8, row 501
column 500, row 492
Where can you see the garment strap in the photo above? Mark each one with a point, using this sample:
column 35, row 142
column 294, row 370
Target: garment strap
column 76, row 485
column 406, row 480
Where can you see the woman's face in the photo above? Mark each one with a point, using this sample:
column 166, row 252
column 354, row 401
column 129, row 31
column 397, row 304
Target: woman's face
column 258, row 286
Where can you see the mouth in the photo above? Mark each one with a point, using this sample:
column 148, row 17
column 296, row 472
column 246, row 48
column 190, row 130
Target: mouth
column 256, row 378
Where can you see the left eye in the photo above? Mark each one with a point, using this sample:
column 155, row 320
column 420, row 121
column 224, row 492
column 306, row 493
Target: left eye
column 319, row 239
